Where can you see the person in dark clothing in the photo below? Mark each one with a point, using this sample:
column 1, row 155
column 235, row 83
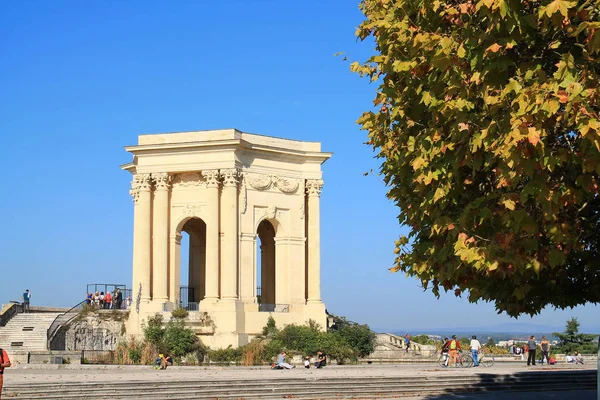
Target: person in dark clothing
column 119, row 299
column 531, row 344
column 545, row 345
column 321, row 360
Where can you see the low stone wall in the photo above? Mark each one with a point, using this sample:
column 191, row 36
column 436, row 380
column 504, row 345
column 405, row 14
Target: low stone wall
column 99, row 330
column 45, row 357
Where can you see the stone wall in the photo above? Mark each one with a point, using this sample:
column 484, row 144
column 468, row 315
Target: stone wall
column 95, row 331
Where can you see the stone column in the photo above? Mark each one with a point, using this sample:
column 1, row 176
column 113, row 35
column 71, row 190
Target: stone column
column 160, row 237
column 229, row 217
column 175, row 271
column 248, row 267
column 313, row 189
column 212, row 235
column 141, row 190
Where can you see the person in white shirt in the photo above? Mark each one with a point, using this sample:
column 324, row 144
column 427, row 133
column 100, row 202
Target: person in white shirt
column 475, row 346
column 578, row 358
column 569, row 358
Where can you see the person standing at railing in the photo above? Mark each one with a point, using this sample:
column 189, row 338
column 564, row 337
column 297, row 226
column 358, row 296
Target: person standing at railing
column 26, row 299
column 107, row 300
column 4, row 363
column 119, row 297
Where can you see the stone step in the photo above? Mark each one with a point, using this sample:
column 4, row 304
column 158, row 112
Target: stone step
column 306, row 389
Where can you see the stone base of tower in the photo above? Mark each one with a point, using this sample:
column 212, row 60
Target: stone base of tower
column 219, row 324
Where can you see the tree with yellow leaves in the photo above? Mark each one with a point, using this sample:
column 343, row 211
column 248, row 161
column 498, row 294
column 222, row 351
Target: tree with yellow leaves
column 486, row 119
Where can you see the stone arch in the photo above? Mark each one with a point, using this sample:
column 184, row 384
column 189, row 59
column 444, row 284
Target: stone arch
column 267, row 268
column 195, row 228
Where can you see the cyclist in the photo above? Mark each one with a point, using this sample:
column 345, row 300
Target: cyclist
column 454, row 348
column 445, row 349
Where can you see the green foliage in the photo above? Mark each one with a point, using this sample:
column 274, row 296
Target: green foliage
column 154, row 331
column 225, row 355
column 272, row 347
column 135, row 355
column 270, row 329
column 487, row 123
column 571, row 340
column 301, row 339
column 180, row 313
column 179, row 340
column 335, row 346
column 174, row 338
column 358, row 337
column 423, row 339
column 491, row 343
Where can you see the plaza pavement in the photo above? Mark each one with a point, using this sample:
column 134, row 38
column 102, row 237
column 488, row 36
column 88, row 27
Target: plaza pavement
column 45, row 373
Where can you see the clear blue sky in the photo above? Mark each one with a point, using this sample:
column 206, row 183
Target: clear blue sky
column 81, row 79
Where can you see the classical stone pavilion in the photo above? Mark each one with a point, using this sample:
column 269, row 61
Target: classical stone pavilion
column 250, row 205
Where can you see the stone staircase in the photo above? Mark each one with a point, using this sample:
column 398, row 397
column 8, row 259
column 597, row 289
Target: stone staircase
column 26, row 332
column 303, row 388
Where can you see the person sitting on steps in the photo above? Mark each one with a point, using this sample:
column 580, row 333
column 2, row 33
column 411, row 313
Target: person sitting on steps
column 281, row 364
column 321, row 359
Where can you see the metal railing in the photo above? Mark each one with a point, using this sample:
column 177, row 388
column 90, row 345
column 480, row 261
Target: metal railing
column 189, row 306
column 282, row 308
column 61, row 320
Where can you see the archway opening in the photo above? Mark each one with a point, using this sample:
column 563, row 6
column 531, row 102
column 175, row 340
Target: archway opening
column 266, row 264
column 193, row 266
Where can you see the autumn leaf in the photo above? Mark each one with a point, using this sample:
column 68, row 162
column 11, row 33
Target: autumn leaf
column 494, row 48
column 533, row 136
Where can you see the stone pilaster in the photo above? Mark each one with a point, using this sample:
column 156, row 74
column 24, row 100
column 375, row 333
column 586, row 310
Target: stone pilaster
column 247, row 275
column 160, row 236
column 229, row 220
column 313, row 190
column 141, row 190
column 212, row 235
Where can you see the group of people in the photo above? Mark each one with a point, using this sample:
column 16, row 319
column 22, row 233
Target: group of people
column 108, row 301
column 576, row 358
column 530, row 348
column 320, row 361
column 451, row 347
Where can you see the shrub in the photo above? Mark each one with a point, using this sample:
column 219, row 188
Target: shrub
column 180, row 313
column 177, row 339
column 154, row 331
column 225, row 355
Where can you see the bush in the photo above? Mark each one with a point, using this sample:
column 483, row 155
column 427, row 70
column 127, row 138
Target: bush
column 359, row 337
column 254, row 352
column 180, row 313
column 154, row 331
column 177, row 339
column 225, row 355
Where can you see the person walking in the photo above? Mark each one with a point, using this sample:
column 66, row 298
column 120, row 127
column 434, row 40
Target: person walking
column 475, row 346
column 531, row 346
column 407, row 342
column 4, row 363
column 545, row 346
column 26, row 299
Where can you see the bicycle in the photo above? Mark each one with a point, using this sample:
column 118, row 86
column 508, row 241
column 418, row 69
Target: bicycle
column 462, row 360
column 486, row 358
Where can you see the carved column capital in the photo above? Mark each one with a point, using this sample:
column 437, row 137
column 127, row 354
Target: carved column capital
column 212, row 178
column 140, row 182
column 231, row 177
column 314, row 186
column 162, row 180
